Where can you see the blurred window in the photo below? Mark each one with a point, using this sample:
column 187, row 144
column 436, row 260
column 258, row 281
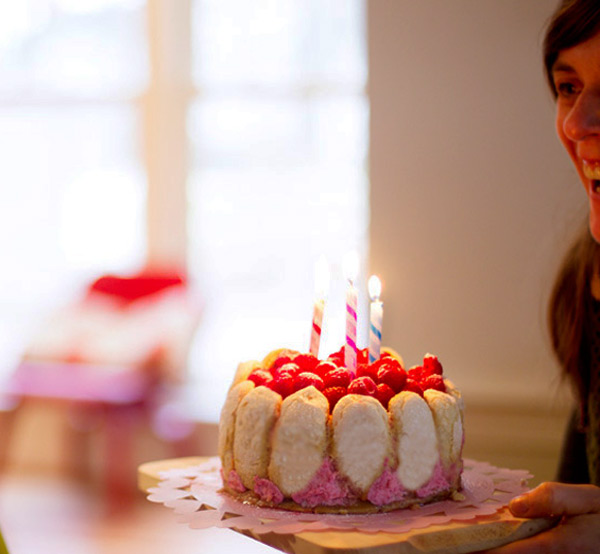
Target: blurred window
column 227, row 133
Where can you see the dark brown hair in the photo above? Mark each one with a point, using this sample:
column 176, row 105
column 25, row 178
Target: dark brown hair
column 570, row 309
column 574, row 21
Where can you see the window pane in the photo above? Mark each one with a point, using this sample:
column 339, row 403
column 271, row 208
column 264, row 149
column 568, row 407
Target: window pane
column 74, row 48
column 72, row 205
column 283, row 42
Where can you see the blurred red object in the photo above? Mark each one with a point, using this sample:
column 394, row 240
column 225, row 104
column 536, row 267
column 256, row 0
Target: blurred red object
column 130, row 289
column 116, row 352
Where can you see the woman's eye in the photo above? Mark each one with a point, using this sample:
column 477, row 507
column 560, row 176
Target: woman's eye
column 567, row 89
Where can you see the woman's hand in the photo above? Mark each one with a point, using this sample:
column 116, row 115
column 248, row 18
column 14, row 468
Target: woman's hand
column 579, row 529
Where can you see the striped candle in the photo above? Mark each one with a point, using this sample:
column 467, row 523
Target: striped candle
column 375, row 319
column 351, row 269
column 321, row 285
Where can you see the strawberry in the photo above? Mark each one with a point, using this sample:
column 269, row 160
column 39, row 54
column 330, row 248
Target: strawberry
column 306, row 362
column 333, row 394
column 305, row 379
column 431, row 365
column 363, row 385
column 412, row 386
column 434, row 382
column 337, row 377
column 384, row 394
column 392, row 375
column 260, row 377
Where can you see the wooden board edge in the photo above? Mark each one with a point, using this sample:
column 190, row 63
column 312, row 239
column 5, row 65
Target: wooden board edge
column 501, row 529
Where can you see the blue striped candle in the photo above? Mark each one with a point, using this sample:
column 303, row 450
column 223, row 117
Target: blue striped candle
column 375, row 319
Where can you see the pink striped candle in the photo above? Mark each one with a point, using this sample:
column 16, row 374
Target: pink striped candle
column 351, row 269
column 321, row 285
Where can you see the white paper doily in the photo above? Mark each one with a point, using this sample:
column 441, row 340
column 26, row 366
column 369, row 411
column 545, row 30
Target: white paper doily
column 193, row 494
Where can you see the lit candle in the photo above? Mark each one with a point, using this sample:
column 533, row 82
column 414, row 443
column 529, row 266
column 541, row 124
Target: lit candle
column 375, row 319
column 321, row 286
column 350, row 272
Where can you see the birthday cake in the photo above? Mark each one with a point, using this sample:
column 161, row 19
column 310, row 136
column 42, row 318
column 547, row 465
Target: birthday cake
column 300, row 433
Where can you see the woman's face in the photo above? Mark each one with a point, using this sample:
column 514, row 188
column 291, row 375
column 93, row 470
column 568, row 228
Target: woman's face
column 576, row 76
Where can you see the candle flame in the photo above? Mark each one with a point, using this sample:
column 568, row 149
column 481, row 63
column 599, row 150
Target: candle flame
column 351, row 263
column 374, row 287
column 321, row 277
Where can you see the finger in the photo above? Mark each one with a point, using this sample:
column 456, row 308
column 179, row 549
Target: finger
column 553, row 499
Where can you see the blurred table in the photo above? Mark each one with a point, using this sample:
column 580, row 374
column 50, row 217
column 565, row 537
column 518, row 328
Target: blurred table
column 119, row 397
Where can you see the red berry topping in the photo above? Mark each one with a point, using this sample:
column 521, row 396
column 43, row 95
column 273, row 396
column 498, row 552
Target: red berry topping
column 434, row 382
column 306, row 362
column 282, row 360
column 305, row 379
column 431, row 365
column 363, row 385
column 333, row 394
column 260, row 377
column 384, row 394
column 324, row 367
column 416, row 373
column 366, row 370
column 362, row 356
column 283, row 384
column 337, row 357
column 289, row 369
column 337, row 377
column 413, row 386
column 392, row 375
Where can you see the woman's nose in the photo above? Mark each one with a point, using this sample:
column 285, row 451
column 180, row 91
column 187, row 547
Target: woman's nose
column 583, row 119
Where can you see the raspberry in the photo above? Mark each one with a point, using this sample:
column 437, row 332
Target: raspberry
column 305, row 379
column 363, row 385
column 290, row 369
column 282, row 360
column 413, row 386
column 362, row 356
column 260, row 377
column 337, row 377
column 384, row 394
column 431, row 365
column 416, row 373
column 337, row 357
column 324, row 367
column 283, row 384
column 434, row 382
column 306, row 362
column 333, row 394
column 392, row 375
column 366, row 370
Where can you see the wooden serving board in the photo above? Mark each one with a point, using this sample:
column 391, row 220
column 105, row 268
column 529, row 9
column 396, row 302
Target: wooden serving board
column 453, row 538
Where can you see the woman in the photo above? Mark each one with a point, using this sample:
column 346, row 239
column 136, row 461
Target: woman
column 572, row 60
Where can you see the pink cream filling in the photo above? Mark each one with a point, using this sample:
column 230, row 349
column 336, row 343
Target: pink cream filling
column 234, row 481
column 329, row 488
column 386, row 488
column 326, row 488
column 267, row 490
column 437, row 482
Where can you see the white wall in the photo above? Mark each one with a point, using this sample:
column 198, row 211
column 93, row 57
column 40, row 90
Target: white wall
column 472, row 197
